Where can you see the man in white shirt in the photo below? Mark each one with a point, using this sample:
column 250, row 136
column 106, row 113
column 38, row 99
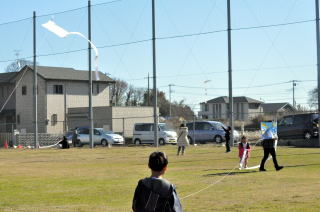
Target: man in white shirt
column 268, row 139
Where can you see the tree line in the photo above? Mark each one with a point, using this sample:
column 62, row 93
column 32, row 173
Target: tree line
column 124, row 94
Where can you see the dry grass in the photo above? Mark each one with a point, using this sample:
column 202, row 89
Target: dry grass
column 104, row 179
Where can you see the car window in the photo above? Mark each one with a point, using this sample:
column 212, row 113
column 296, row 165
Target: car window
column 288, row 121
column 96, row 132
column 83, row 131
column 299, row 119
column 163, row 127
column 315, row 118
column 199, row 126
column 207, row 126
column 143, row 127
column 190, row 126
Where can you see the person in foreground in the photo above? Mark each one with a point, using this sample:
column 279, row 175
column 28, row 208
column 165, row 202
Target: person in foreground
column 155, row 193
column 268, row 139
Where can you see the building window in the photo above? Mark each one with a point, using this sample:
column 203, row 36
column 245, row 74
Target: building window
column 18, row 119
column 206, row 107
column 54, row 119
column 24, row 90
column 58, row 89
column 98, row 89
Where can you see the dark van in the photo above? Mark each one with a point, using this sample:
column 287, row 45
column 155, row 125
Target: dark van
column 298, row 126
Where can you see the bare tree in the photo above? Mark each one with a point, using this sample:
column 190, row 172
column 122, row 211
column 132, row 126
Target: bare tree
column 117, row 91
column 138, row 94
column 313, row 98
column 17, row 65
column 129, row 94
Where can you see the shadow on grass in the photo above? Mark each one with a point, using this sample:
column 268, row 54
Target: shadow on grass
column 302, row 165
column 229, row 173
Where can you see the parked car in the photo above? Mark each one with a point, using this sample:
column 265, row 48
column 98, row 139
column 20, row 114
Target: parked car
column 208, row 131
column 100, row 137
column 298, row 126
column 143, row 133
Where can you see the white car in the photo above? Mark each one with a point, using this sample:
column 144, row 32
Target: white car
column 143, row 133
column 100, row 137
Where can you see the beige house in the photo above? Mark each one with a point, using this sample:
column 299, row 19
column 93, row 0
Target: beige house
column 244, row 108
column 118, row 119
column 58, row 90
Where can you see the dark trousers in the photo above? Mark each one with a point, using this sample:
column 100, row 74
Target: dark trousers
column 181, row 148
column 228, row 145
column 268, row 151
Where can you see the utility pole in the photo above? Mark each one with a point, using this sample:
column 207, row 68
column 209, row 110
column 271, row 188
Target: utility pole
column 318, row 59
column 155, row 99
column 170, row 91
column 230, row 75
column 293, row 85
column 148, row 94
column 35, row 85
column 90, row 78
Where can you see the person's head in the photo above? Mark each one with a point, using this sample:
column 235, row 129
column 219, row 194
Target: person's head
column 64, row 138
column 229, row 128
column 158, row 162
column 244, row 139
column 183, row 125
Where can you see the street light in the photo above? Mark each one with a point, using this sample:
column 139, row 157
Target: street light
column 62, row 33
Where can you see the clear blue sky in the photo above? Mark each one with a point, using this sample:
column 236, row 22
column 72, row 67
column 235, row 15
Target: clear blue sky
column 260, row 56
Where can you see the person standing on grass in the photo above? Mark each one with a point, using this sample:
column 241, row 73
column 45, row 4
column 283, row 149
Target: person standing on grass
column 182, row 140
column 268, row 142
column 244, row 145
column 154, row 193
column 227, row 136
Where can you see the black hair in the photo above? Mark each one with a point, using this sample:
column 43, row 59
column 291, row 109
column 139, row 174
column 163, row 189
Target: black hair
column 229, row 128
column 182, row 125
column 157, row 161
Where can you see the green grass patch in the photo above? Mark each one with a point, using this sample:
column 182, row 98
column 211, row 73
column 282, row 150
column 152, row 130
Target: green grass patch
column 103, row 179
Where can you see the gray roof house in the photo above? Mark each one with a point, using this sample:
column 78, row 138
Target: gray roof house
column 244, row 108
column 277, row 108
column 58, row 89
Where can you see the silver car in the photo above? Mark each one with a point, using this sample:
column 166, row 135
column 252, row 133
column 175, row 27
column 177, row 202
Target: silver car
column 208, row 131
column 100, row 137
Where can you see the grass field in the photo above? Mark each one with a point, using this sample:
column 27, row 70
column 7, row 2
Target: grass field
column 103, row 179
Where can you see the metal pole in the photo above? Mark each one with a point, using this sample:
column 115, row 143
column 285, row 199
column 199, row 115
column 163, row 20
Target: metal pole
column 230, row 75
column 123, row 127
column 148, row 90
column 65, row 108
column 35, row 85
column 90, row 78
column 293, row 100
column 155, row 99
column 194, row 130
column 170, row 99
column 318, row 60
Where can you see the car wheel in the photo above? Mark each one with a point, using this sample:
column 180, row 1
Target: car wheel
column 307, row 135
column 218, row 139
column 104, row 142
column 137, row 141
column 161, row 141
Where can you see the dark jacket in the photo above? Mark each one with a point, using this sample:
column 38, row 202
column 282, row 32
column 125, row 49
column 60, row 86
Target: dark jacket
column 157, row 195
column 227, row 133
column 64, row 144
column 268, row 143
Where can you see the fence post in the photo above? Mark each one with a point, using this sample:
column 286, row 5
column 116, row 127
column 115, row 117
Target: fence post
column 194, row 128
